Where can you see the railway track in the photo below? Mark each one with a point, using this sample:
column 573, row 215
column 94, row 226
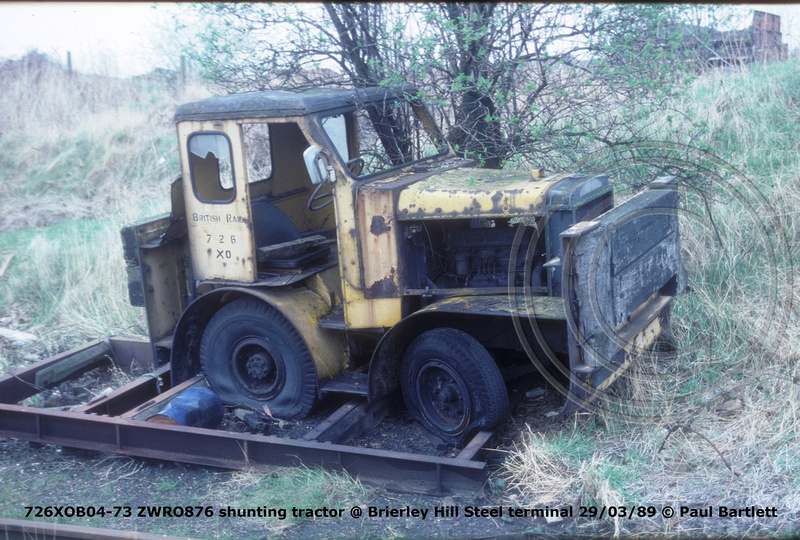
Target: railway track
column 115, row 423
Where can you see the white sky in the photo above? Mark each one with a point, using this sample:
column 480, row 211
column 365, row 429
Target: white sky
column 107, row 38
column 119, row 38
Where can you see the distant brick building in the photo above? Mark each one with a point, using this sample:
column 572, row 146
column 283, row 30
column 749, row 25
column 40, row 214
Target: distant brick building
column 761, row 42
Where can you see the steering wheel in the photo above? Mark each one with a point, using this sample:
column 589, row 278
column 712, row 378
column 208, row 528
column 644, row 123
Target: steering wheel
column 356, row 165
column 317, row 196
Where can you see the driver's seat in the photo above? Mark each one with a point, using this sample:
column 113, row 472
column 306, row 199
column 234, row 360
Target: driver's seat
column 271, row 225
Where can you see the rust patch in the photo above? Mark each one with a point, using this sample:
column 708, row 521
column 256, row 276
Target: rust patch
column 384, row 288
column 379, row 226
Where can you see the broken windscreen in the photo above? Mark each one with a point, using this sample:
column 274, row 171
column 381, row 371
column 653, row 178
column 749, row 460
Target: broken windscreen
column 211, row 167
column 383, row 135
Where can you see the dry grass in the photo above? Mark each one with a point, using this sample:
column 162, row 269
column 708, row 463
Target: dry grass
column 539, row 473
column 86, row 157
column 82, row 147
column 715, row 421
column 81, row 157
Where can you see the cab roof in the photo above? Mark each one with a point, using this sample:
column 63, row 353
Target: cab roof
column 276, row 103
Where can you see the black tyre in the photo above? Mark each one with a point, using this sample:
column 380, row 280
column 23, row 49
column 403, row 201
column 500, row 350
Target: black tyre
column 451, row 385
column 253, row 356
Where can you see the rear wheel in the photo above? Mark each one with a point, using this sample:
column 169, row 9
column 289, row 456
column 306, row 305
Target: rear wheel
column 451, row 385
column 253, row 356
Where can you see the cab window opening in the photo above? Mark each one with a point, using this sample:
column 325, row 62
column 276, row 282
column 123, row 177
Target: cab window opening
column 211, row 167
column 388, row 135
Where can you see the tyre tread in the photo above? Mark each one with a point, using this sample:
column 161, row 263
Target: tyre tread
column 474, row 363
column 254, row 309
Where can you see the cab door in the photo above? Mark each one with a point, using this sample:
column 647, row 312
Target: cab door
column 217, row 201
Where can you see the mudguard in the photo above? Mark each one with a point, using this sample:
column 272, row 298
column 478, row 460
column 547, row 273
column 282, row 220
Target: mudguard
column 302, row 307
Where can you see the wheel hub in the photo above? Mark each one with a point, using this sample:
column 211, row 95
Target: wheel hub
column 260, row 366
column 447, row 394
column 444, row 398
column 257, row 368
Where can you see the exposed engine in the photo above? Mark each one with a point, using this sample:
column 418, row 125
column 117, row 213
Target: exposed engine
column 478, row 253
column 488, row 253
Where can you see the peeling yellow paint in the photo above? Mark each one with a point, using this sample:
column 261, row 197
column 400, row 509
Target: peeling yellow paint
column 474, row 193
column 304, row 308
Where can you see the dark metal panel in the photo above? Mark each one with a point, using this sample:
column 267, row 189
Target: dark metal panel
column 279, row 103
column 132, row 353
column 619, row 269
column 384, row 369
column 540, row 307
column 85, row 428
column 130, row 395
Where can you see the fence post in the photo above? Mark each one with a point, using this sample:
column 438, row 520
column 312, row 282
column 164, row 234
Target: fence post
column 183, row 76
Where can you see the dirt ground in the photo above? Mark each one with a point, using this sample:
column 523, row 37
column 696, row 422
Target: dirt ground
column 49, row 476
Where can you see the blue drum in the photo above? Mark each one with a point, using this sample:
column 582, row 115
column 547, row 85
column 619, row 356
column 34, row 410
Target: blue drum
column 197, row 407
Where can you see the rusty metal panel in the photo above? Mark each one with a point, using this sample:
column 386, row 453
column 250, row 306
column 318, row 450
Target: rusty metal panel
column 619, row 273
column 380, row 259
column 86, row 429
column 538, row 307
column 132, row 354
column 371, row 313
column 21, row 384
column 130, row 395
column 635, row 337
column 156, row 252
column 279, row 103
column 165, row 284
column 472, row 193
column 613, row 267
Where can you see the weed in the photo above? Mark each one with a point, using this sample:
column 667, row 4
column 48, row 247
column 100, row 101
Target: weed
column 285, row 489
column 167, row 485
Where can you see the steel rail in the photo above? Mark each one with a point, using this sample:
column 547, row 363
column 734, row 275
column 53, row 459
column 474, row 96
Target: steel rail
column 393, row 470
column 104, row 426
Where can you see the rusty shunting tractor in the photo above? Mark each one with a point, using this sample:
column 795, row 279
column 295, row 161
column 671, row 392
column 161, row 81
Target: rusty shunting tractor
column 327, row 241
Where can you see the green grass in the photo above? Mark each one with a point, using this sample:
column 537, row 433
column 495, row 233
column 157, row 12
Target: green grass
column 285, row 489
column 736, row 331
column 80, row 158
column 74, row 175
column 70, row 275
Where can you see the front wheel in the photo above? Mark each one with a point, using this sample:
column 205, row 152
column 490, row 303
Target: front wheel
column 253, row 356
column 451, row 385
